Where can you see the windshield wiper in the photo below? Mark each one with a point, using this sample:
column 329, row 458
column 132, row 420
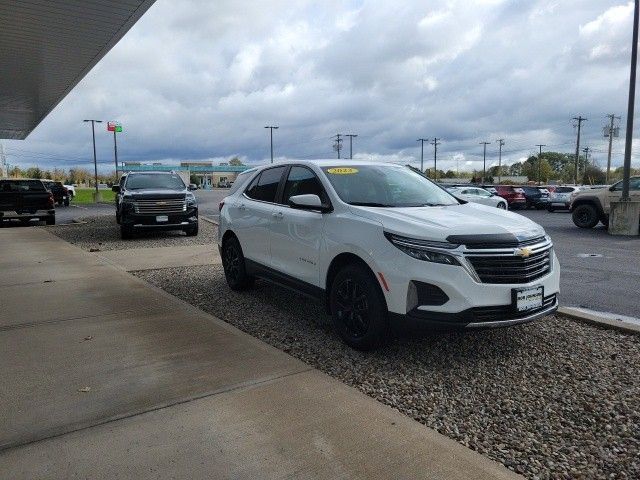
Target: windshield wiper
column 368, row 204
column 437, row 204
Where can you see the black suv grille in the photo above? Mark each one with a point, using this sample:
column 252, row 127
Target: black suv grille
column 159, row 206
column 511, row 268
column 505, row 312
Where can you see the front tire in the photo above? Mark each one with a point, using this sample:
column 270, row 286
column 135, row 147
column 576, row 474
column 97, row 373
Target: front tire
column 126, row 233
column 358, row 308
column 585, row 216
column 192, row 230
column 551, row 209
column 51, row 220
column 235, row 269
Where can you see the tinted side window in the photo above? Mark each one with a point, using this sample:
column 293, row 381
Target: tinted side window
column 302, row 181
column 241, row 181
column 265, row 187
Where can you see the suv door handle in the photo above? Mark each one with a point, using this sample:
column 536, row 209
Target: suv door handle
column 277, row 214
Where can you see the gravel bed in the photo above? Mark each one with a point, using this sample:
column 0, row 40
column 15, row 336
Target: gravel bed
column 103, row 233
column 552, row 399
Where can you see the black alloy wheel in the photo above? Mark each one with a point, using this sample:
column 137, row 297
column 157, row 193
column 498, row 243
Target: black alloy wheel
column 352, row 308
column 358, row 308
column 585, row 216
column 234, row 265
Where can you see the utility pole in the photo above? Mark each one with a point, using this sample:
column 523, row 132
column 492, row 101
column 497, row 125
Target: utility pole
column 630, row 107
column 351, row 137
column 484, row 160
column 578, row 119
column 95, row 161
column 435, row 144
column 337, row 146
column 586, row 157
column 271, row 129
column 422, row 140
column 500, row 145
column 610, row 131
column 540, row 163
column 4, row 168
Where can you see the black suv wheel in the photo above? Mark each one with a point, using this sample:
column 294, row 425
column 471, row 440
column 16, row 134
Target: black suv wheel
column 358, row 308
column 191, row 230
column 585, row 216
column 126, row 233
column 235, row 270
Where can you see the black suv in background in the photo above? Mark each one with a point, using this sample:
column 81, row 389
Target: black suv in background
column 24, row 200
column 155, row 200
column 537, row 197
column 59, row 191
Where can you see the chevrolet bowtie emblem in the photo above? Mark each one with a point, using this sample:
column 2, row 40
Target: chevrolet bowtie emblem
column 523, row 252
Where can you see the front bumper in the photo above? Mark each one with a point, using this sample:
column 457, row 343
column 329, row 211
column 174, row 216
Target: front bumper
column 475, row 318
column 175, row 221
column 468, row 301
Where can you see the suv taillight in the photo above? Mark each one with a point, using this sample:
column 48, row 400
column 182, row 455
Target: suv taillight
column 50, row 200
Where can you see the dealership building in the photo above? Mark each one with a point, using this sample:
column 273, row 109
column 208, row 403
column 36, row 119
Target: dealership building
column 206, row 174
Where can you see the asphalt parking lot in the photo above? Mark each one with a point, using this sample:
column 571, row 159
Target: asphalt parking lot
column 599, row 272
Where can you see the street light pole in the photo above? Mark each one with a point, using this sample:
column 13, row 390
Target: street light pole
column 484, row 161
column 422, row 140
column 351, row 137
column 540, row 163
column 115, row 152
column 500, row 145
column 271, row 128
column 95, row 161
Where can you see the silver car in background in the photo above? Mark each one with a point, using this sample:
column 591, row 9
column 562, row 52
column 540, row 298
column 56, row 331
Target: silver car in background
column 479, row 195
column 560, row 198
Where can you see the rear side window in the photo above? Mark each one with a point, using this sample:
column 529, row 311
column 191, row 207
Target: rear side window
column 241, row 181
column 265, row 187
column 302, row 181
column 564, row 190
column 21, row 186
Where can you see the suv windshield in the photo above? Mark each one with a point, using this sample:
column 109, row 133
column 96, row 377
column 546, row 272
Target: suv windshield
column 151, row 180
column 385, row 186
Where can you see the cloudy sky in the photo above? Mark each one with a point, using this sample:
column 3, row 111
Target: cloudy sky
column 199, row 80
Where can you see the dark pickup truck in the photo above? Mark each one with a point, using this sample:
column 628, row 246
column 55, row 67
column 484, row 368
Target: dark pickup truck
column 25, row 199
column 60, row 192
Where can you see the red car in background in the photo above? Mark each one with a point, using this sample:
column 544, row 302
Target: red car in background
column 513, row 195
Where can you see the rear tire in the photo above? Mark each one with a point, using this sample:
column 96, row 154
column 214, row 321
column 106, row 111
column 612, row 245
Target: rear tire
column 235, row 268
column 551, row 209
column 585, row 216
column 358, row 308
column 66, row 202
column 502, row 206
column 51, row 220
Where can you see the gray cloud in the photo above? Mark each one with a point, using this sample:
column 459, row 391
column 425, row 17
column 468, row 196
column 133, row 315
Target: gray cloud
column 200, row 79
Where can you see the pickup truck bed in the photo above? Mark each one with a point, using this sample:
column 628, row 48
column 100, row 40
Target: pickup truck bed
column 26, row 199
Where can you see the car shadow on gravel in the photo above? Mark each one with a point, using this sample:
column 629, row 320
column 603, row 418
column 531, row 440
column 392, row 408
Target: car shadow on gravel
column 551, row 399
column 103, row 233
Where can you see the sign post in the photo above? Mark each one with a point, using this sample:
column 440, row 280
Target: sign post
column 115, row 127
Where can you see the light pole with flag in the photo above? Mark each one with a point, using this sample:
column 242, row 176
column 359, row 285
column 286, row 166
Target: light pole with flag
column 115, row 127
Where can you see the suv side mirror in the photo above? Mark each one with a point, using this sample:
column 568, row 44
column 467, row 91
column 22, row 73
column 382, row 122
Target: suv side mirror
column 116, row 188
column 308, row 202
column 193, row 187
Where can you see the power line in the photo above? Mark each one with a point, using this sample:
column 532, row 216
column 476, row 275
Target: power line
column 435, row 144
column 579, row 119
column 337, row 145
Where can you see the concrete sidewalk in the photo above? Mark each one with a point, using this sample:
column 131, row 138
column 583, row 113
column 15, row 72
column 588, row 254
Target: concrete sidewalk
column 105, row 376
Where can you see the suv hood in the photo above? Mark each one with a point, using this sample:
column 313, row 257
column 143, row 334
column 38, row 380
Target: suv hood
column 437, row 223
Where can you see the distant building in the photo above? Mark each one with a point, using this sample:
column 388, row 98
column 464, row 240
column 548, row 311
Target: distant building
column 208, row 175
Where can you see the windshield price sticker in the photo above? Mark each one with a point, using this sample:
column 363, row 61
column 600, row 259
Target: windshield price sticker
column 342, row 171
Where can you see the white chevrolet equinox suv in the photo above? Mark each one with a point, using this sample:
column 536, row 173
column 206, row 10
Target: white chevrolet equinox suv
column 382, row 245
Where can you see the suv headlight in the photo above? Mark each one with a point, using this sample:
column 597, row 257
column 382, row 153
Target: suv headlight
column 191, row 199
column 424, row 250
